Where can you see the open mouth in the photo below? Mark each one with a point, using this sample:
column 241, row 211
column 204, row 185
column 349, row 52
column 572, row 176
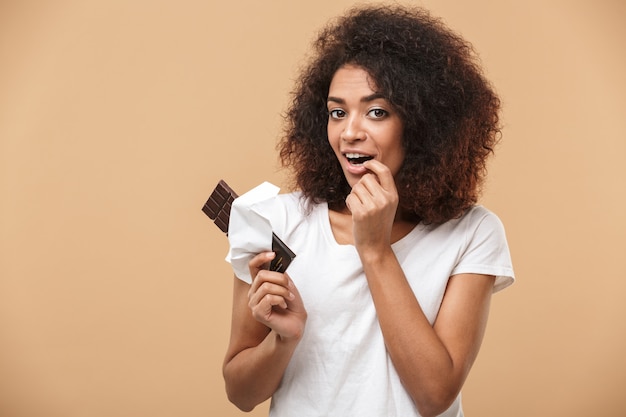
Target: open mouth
column 357, row 159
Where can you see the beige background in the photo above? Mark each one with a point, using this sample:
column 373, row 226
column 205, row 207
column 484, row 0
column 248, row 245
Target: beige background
column 117, row 118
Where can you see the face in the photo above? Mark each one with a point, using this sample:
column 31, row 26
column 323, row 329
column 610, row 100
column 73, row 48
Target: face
column 362, row 125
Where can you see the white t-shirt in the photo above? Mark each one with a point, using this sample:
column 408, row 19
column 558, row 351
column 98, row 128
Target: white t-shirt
column 341, row 367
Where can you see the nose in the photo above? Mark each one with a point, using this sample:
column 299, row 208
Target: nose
column 353, row 129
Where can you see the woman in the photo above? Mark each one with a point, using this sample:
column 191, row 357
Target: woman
column 383, row 311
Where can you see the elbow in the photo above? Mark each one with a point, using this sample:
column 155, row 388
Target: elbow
column 246, row 408
column 434, row 404
column 431, row 411
column 241, row 403
column 238, row 396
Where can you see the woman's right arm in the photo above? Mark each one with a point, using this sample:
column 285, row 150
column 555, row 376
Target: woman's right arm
column 268, row 322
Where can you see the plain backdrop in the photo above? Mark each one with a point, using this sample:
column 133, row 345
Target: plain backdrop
column 118, row 117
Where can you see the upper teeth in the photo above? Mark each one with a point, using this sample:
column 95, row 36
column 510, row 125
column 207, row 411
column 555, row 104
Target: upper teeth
column 355, row 155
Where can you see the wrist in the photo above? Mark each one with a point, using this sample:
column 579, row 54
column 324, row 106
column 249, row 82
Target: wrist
column 287, row 343
column 375, row 256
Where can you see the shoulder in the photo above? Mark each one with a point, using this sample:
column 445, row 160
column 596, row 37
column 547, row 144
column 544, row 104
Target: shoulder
column 479, row 217
column 290, row 204
column 481, row 221
column 476, row 219
column 292, row 200
column 281, row 203
column 486, row 248
column 477, row 226
column 291, row 211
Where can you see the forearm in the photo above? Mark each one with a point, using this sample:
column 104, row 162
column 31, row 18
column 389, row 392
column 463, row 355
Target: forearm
column 267, row 324
column 253, row 375
column 423, row 362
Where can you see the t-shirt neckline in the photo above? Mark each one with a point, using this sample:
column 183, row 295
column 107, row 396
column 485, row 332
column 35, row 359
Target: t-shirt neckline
column 328, row 232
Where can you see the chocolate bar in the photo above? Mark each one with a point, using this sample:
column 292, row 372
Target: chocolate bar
column 218, row 206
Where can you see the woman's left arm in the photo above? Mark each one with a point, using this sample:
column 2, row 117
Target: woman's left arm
column 432, row 361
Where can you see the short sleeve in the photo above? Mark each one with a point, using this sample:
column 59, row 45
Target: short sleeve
column 486, row 251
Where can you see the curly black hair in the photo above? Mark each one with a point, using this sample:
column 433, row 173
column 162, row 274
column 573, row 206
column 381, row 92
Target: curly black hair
column 432, row 77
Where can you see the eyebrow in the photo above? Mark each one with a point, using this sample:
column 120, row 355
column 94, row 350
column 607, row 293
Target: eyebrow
column 365, row 99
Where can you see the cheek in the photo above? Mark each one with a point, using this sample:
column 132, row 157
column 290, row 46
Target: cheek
column 397, row 153
column 395, row 163
column 333, row 139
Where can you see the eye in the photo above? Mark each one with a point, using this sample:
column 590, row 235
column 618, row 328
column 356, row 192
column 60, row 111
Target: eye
column 377, row 113
column 336, row 114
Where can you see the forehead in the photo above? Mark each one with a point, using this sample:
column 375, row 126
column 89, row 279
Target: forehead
column 352, row 79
